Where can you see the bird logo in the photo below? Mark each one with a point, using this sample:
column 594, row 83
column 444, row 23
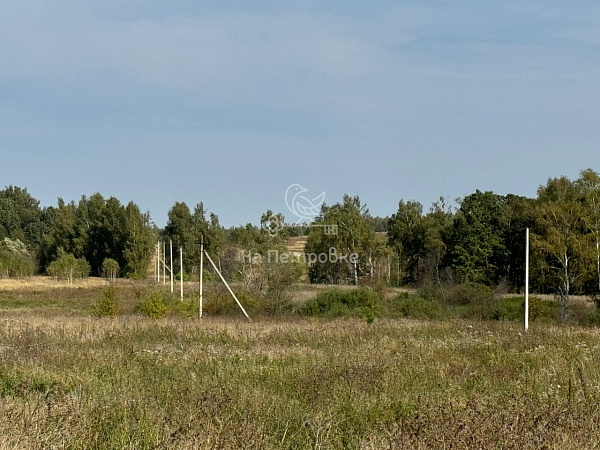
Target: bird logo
column 300, row 205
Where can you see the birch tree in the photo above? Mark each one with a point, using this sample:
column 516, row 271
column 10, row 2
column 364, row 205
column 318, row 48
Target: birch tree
column 559, row 240
column 589, row 184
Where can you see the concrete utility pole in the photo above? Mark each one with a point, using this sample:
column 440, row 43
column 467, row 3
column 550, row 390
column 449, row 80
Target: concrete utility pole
column 171, row 245
column 527, row 279
column 157, row 262
column 201, row 273
column 228, row 288
column 204, row 253
column 164, row 262
column 181, row 271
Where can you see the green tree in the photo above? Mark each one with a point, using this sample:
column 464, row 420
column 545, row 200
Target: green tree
column 355, row 235
column 66, row 231
column 259, row 257
column 104, row 222
column 589, row 185
column 559, row 241
column 212, row 232
column 247, row 242
column 138, row 242
column 407, row 234
column 67, row 267
column 9, row 221
column 25, row 218
column 437, row 224
column 15, row 259
column 180, row 229
column 477, row 248
column 187, row 229
column 519, row 217
column 96, row 229
column 110, row 269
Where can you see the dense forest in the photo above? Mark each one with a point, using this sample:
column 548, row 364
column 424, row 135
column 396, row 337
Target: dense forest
column 480, row 241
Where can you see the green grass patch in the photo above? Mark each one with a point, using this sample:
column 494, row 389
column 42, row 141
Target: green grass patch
column 362, row 302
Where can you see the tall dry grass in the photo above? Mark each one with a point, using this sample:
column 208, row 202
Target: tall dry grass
column 68, row 380
column 129, row 382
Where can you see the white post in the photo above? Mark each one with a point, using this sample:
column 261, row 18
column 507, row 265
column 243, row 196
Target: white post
column 527, row 279
column 201, row 273
column 164, row 261
column 181, row 271
column 158, row 262
column 171, row 245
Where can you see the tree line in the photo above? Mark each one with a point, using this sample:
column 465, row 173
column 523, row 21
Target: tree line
column 73, row 239
column 481, row 240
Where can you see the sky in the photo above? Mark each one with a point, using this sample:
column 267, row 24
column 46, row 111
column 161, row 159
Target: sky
column 230, row 102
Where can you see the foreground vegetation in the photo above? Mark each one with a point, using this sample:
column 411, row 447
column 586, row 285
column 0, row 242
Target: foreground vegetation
column 71, row 380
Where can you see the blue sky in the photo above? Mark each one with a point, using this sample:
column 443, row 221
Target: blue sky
column 230, row 102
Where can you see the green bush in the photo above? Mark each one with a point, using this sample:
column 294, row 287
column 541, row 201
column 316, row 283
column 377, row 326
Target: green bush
column 363, row 302
column 579, row 313
column 214, row 303
column 512, row 308
column 186, row 276
column 189, row 307
column 414, row 307
column 467, row 294
column 250, row 303
column 220, row 302
column 153, row 305
column 280, row 279
column 107, row 306
column 591, row 319
column 545, row 310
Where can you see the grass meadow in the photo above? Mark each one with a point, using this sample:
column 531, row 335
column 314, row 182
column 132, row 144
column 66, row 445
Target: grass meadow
column 71, row 380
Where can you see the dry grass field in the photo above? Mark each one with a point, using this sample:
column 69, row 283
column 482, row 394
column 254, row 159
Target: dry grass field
column 69, row 380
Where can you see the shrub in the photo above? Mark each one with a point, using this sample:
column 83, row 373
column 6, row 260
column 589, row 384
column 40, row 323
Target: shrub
column 591, row 319
column 579, row 313
column 457, row 294
column 468, row 294
column 280, row 278
column 414, row 307
column 153, row 305
column 542, row 309
column 362, row 302
column 512, row 308
column 220, row 302
column 189, row 307
column 186, row 276
column 107, row 306
column 248, row 301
